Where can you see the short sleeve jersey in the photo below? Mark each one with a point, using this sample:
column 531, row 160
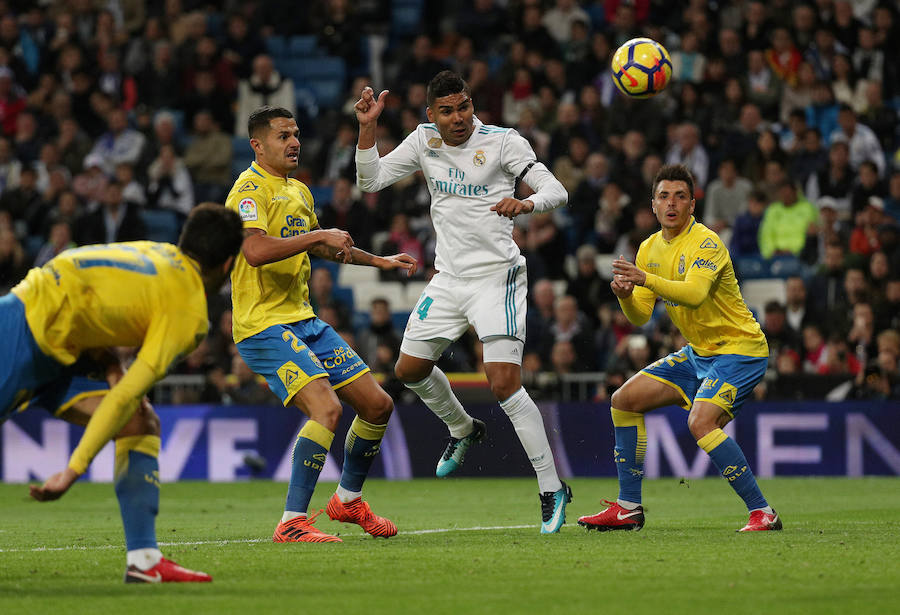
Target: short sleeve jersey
column 722, row 324
column 140, row 293
column 465, row 181
column 276, row 293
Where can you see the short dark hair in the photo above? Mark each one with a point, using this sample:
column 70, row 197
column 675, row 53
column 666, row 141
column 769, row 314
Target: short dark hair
column 211, row 234
column 260, row 118
column 674, row 172
column 443, row 84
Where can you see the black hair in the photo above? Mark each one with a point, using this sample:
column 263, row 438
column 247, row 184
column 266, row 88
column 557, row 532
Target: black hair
column 674, row 172
column 260, row 118
column 211, row 234
column 445, row 83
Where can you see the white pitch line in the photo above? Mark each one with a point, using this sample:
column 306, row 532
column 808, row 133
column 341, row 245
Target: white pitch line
column 222, row 543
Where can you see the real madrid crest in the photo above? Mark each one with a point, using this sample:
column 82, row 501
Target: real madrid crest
column 479, row 158
column 681, row 265
column 435, row 142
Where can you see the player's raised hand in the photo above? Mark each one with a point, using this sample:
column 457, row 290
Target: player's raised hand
column 400, row 261
column 511, row 207
column 369, row 107
column 628, row 272
column 337, row 240
column 54, row 487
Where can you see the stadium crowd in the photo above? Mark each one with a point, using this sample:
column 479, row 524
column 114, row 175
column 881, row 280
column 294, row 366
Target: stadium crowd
column 786, row 113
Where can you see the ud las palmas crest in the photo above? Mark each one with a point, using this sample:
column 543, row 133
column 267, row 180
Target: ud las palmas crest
column 479, row 158
column 681, row 265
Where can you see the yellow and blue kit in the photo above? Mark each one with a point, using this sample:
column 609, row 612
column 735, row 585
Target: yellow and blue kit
column 275, row 329
column 141, row 294
column 727, row 353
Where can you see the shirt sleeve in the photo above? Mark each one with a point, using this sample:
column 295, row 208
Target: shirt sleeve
column 172, row 336
column 249, row 199
column 517, row 157
column 639, row 306
column 374, row 173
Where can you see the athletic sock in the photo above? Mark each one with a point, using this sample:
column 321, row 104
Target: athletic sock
column 137, row 489
column 307, row 461
column 435, row 391
column 529, row 426
column 143, row 559
column 729, row 459
column 362, row 444
column 631, row 446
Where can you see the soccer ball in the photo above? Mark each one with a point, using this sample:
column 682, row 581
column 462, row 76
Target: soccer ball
column 641, row 68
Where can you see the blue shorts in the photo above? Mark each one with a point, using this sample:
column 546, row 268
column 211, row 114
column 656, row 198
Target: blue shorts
column 290, row 356
column 83, row 379
column 725, row 380
column 23, row 367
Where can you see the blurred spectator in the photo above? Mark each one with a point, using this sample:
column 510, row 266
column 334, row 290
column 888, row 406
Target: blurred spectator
column 265, row 86
column 119, row 144
column 864, row 238
column 799, row 311
column 12, row 101
column 242, row 387
column 170, row 184
column 726, row 198
column 339, row 157
column 848, row 90
column 765, row 151
column 862, row 332
column 835, row 181
column 563, row 358
column 547, row 244
column 837, row 358
column 584, row 201
column 74, row 145
column 786, row 223
column 242, row 46
column 879, row 116
column 116, row 220
column 814, row 353
column 867, row 186
column 208, row 158
column 863, row 143
column 808, row 159
column 689, row 151
column 822, row 113
column 379, row 332
column 588, row 287
column 632, row 355
column 133, row 191
column 26, row 139
column 24, row 203
column 540, row 314
column 762, row 86
column 778, row 333
column 569, row 167
column 349, row 214
column 799, row 95
column 10, row 166
column 420, row 65
column 688, row 62
column 59, row 240
column 321, row 285
column 13, row 260
column 571, row 325
column 745, row 236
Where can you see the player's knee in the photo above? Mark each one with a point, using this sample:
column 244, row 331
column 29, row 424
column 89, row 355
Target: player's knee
column 328, row 415
column 622, row 400
column 504, row 388
column 408, row 373
column 700, row 425
column 379, row 410
column 144, row 422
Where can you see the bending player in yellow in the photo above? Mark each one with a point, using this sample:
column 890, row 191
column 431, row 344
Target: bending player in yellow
column 140, row 294
column 688, row 267
column 306, row 363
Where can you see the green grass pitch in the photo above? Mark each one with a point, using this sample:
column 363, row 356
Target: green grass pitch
column 462, row 549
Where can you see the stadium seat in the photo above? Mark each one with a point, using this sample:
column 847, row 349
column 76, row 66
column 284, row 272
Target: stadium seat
column 364, row 292
column 405, row 17
column 321, row 194
column 759, row 292
column 323, row 76
column 350, row 275
column 162, row 224
column 277, row 46
column 302, row 46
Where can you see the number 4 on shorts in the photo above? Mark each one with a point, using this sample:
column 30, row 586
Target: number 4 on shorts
column 422, row 310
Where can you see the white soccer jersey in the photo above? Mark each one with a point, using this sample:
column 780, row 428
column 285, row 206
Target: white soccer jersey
column 465, row 181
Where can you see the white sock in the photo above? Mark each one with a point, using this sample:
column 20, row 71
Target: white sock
column 627, row 505
column 435, row 391
column 290, row 514
column 347, row 496
column 529, row 426
column 768, row 510
column 144, row 559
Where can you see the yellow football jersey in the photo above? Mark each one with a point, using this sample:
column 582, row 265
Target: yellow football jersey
column 721, row 324
column 276, row 293
column 125, row 294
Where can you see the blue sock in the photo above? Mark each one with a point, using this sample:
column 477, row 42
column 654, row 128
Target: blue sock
column 631, row 446
column 729, row 459
column 362, row 444
column 137, row 489
column 308, row 459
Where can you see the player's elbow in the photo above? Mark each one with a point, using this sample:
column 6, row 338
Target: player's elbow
column 366, row 184
column 253, row 255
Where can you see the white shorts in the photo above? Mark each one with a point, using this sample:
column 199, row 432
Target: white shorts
column 495, row 305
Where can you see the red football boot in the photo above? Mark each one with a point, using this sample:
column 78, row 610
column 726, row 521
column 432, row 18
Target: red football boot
column 761, row 521
column 300, row 529
column 358, row 512
column 614, row 518
column 166, row 571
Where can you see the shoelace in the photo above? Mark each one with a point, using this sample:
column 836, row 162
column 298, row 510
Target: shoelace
column 312, row 518
column 452, row 443
column 548, row 503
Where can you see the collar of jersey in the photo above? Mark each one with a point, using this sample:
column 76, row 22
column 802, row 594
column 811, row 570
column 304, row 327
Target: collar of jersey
column 265, row 174
column 680, row 235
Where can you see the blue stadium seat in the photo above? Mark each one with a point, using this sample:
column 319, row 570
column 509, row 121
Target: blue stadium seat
column 277, row 46
column 162, row 224
column 321, row 196
column 302, row 46
column 406, row 15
